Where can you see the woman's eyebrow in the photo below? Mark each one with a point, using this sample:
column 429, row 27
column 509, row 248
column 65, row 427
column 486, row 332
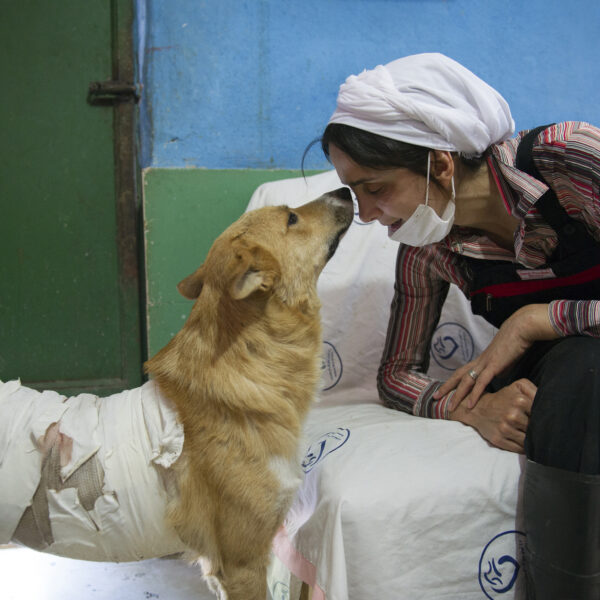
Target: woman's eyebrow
column 360, row 181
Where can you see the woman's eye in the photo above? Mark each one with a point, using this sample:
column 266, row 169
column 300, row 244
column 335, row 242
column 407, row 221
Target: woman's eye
column 374, row 191
column 292, row 219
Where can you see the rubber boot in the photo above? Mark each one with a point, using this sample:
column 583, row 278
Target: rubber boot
column 562, row 522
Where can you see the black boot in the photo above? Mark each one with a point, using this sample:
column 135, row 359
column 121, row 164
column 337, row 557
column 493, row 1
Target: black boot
column 562, row 521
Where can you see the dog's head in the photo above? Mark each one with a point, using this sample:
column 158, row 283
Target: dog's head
column 275, row 250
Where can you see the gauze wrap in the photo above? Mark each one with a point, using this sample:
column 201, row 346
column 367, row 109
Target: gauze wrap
column 428, row 100
column 88, row 477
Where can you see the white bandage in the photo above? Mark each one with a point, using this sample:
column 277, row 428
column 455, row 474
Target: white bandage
column 83, row 476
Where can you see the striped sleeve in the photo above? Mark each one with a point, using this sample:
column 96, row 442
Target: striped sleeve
column 416, row 308
column 575, row 317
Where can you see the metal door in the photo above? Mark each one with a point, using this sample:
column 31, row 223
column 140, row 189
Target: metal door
column 69, row 276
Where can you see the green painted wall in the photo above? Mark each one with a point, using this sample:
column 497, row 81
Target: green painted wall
column 184, row 211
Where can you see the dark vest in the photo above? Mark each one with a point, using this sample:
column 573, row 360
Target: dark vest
column 499, row 288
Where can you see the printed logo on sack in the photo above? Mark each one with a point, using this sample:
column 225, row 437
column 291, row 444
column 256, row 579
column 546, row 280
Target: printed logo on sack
column 452, row 346
column 331, row 367
column 499, row 565
column 281, row 591
column 325, row 445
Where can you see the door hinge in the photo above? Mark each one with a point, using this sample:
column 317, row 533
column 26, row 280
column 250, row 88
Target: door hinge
column 108, row 93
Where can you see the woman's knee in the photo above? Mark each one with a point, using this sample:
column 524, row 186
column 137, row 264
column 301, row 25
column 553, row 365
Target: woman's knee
column 569, row 366
column 564, row 428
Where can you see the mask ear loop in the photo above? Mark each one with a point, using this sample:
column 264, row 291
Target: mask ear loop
column 452, row 197
column 427, row 188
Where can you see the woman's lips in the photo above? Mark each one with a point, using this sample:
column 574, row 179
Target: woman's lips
column 395, row 225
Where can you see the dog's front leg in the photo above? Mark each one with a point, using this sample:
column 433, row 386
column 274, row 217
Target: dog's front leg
column 246, row 582
column 213, row 578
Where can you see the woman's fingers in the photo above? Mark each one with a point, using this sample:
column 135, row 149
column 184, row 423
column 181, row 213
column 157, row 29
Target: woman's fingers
column 467, row 383
column 453, row 383
column 501, row 417
column 513, row 445
column 479, row 388
column 528, row 390
column 464, row 387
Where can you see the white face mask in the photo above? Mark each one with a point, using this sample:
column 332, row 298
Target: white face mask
column 424, row 226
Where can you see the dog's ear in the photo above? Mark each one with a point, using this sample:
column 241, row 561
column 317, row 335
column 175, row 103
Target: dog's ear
column 191, row 286
column 256, row 271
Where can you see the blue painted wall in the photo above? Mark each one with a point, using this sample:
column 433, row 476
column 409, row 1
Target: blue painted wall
column 248, row 84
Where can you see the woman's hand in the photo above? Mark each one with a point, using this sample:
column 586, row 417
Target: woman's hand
column 502, row 417
column 525, row 326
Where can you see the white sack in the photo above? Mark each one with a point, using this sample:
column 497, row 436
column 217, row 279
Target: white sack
column 397, row 507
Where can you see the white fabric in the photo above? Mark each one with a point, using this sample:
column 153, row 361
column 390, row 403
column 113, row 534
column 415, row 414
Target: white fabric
column 425, row 226
column 396, row 507
column 428, row 100
column 132, row 434
column 393, row 507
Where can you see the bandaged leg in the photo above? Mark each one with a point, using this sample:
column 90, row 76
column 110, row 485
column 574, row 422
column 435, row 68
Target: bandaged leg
column 87, row 481
column 84, row 477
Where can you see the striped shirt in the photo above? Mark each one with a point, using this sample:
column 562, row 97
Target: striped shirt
column 567, row 156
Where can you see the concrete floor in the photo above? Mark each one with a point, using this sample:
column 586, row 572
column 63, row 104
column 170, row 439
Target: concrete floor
column 29, row 575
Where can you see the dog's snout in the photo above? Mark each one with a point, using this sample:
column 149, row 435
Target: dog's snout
column 340, row 201
column 342, row 193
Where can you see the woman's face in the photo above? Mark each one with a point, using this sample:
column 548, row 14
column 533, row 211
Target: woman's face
column 389, row 196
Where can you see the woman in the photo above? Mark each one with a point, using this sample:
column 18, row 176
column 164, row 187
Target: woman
column 426, row 147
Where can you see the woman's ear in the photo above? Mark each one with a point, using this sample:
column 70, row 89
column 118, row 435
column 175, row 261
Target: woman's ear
column 442, row 167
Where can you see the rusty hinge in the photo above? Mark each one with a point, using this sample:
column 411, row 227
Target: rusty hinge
column 111, row 92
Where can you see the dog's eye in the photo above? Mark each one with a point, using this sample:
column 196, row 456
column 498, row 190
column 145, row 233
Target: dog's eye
column 292, row 219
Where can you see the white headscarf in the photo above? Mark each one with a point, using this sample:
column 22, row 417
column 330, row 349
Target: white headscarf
column 428, row 100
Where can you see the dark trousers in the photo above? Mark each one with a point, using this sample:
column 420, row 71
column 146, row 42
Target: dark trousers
column 562, row 479
column 564, row 428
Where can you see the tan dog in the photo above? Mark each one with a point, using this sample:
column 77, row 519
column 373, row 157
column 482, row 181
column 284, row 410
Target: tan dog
column 242, row 374
column 203, row 458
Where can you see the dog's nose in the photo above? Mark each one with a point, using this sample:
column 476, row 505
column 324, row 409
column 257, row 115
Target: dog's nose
column 342, row 193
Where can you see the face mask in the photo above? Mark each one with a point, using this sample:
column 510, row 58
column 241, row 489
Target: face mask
column 424, row 226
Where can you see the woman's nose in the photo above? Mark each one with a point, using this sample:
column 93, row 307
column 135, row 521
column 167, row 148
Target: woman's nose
column 367, row 210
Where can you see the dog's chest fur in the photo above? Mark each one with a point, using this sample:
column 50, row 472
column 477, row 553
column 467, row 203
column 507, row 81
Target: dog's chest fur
column 289, row 476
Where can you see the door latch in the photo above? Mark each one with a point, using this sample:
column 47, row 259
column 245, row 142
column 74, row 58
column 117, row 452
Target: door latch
column 109, row 93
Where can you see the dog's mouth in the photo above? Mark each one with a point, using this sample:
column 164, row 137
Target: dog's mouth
column 335, row 242
column 340, row 201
